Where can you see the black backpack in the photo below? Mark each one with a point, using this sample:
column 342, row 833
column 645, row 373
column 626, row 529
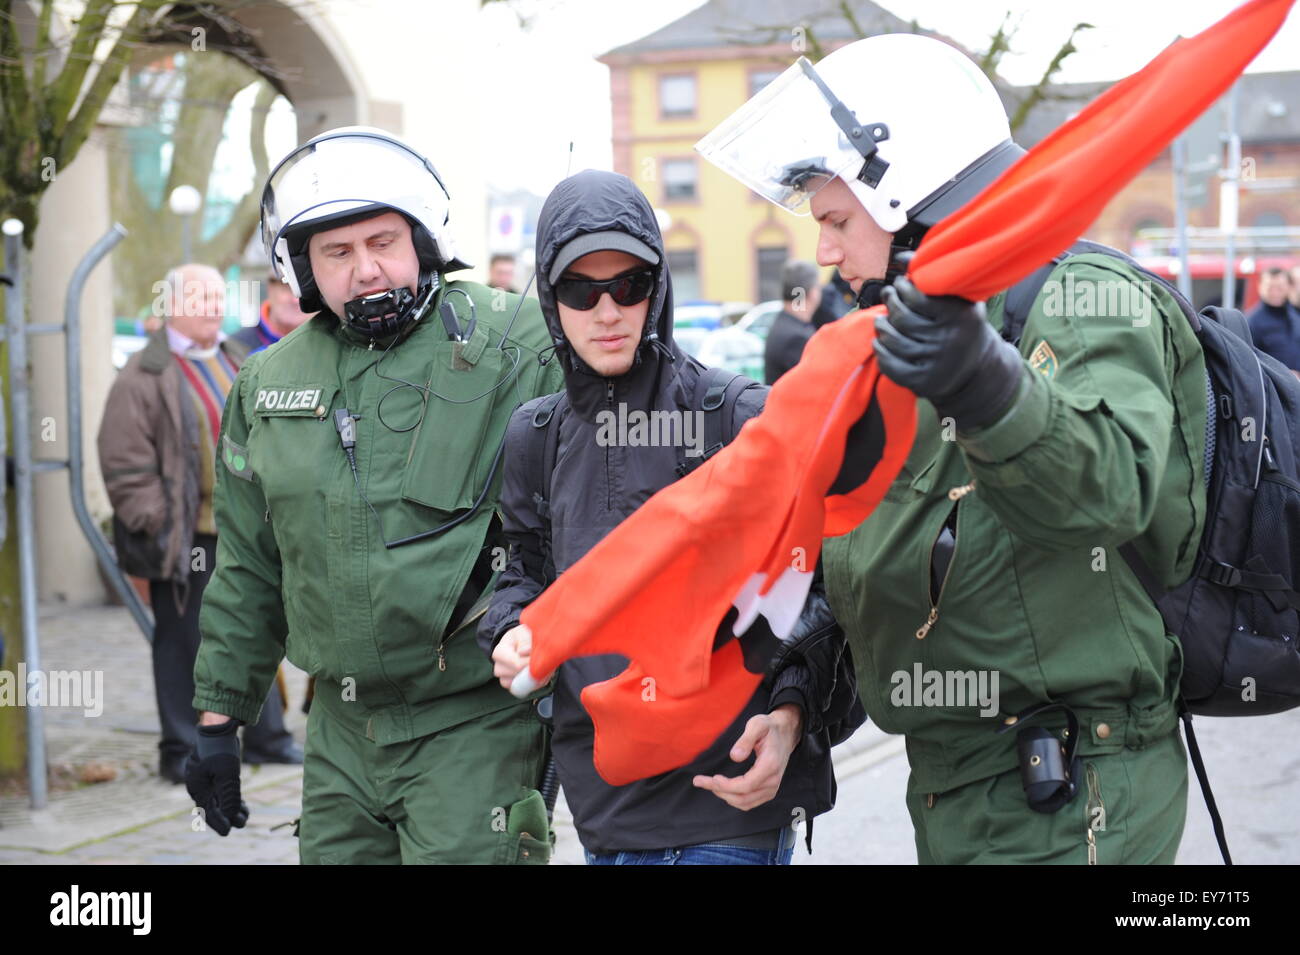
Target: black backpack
column 1238, row 616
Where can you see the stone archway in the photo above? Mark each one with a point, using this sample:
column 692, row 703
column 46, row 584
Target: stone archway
column 316, row 74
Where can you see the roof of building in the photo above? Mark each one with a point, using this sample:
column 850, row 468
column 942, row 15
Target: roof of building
column 1268, row 107
column 727, row 22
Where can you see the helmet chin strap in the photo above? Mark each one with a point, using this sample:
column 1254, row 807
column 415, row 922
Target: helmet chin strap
column 387, row 313
column 869, row 294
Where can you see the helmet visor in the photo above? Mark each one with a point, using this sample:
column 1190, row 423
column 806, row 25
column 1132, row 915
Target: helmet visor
column 783, row 143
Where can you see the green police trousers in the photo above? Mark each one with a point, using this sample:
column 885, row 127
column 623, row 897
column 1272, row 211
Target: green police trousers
column 1129, row 810
column 464, row 795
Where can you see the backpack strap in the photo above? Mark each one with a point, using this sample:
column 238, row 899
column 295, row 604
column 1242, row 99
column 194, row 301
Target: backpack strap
column 1202, row 777
column 1020, row 297
column 716, row 393
column 539, row 459
column 1232, row 319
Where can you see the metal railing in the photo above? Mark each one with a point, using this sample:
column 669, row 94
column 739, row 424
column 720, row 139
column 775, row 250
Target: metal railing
column 16, row 331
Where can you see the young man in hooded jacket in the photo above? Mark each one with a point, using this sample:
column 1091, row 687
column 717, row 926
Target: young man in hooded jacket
column 605, row 290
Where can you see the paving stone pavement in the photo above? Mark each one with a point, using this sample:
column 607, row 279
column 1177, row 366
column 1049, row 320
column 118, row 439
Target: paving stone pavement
column 138, row 819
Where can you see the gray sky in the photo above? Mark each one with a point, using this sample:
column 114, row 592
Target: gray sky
column 570, row 99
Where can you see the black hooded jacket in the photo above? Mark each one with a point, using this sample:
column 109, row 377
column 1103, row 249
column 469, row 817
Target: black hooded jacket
column 593, row 489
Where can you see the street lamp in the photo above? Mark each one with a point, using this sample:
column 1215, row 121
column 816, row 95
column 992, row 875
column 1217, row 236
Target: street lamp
column 184, row 202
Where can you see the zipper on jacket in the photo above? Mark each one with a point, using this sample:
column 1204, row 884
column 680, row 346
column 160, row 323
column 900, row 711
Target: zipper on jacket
column 955, row 495
column 1094, row 801
column 609, row 489
column 442, row 657
column 933, row 616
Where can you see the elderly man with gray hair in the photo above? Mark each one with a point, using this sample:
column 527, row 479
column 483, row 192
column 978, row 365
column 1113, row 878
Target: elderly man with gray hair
column 801, row 293
column 157, row 450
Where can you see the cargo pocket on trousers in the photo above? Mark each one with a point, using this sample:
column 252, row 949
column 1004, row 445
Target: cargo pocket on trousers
column 528, row 837
column 455, row 443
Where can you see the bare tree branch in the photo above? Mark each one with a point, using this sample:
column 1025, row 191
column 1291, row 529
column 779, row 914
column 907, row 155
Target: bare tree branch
column 1040, row 90
column 852, row 19
column 42, row 44
column 999, row 44
column 226, row 245
column 48, row 122
column 67, row 85
column 106, row 77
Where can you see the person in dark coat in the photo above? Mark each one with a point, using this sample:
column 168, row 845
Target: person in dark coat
column 1274, row 323
column 604, row 287
column 801, row 296
column 838, row 299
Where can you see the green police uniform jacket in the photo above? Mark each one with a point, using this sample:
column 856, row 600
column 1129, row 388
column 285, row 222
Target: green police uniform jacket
column 301, row 568
column 1105, row 445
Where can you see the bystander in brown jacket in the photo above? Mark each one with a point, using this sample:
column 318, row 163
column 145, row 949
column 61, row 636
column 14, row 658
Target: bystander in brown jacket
column 157, row 449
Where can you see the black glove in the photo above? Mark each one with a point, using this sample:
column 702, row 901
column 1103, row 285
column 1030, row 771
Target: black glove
column 941, row 348
column 212, row 777
column 814, row 669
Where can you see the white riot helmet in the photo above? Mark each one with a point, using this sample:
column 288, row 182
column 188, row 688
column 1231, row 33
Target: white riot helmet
column 343, row 176
column 908, row 122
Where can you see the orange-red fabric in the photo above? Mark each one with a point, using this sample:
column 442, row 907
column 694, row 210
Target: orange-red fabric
column 634, row 718
column 657, row 586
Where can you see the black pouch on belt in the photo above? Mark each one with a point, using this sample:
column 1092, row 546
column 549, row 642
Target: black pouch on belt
column 1049, row 769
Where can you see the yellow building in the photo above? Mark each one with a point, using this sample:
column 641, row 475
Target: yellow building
column 670, row 88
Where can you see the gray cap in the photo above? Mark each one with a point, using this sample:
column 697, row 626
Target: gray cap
column 612, row 240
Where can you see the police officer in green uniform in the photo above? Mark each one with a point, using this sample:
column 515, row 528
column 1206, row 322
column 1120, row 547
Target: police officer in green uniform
column 359, row 533
column 987, row 604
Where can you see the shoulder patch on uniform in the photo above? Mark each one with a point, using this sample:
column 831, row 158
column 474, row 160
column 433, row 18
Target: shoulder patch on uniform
column 236, row 459
column 1043, row 359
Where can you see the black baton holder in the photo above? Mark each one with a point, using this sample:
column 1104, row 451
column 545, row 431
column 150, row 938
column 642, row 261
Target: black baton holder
column 1049, row 769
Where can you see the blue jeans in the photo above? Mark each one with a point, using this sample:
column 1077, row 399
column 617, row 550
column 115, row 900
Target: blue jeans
column 708, row 853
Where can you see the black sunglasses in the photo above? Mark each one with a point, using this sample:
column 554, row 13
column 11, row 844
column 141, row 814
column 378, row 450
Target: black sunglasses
column 583, row 294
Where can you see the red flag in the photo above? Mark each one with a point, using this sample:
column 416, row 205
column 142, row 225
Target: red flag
column 745, row 528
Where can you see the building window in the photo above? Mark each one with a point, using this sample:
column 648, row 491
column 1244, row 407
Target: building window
column 680, row 177
column 1269, row 220
column 760, row 78
column 684, row 269
column 770, row 261
column 677, row 96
